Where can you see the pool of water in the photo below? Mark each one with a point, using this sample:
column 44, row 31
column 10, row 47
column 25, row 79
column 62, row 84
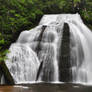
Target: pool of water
column 46, row 87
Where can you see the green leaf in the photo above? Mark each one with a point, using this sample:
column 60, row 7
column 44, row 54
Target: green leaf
column 2, row 41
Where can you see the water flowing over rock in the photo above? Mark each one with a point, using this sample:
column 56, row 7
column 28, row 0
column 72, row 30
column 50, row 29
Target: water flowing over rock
column 5, row 75
column 59, row 49
column 64, row 55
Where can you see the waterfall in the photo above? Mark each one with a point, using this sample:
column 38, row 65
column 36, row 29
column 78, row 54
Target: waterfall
column 2, row 80
column 36, row 54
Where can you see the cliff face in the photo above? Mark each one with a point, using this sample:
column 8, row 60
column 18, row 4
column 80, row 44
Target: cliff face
column 5, row 72
column 64, row 59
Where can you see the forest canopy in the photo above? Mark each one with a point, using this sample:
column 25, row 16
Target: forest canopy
column 19, row 15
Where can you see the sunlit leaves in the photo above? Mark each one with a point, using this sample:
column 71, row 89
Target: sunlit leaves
column 2, row 41
column 76, row 1
column 62, row 3
column 3, row 55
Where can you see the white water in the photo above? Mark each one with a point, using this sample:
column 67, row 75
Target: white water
column 25, row 57
column 23, row 63
column 2, row 80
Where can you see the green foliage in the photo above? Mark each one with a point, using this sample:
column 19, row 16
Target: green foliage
column 3, row 55
column 19, row 15
column 76, row 1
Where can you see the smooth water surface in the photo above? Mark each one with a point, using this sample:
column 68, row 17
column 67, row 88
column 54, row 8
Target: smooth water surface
column 46, row 88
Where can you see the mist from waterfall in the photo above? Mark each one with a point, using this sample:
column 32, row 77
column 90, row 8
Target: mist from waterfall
column 35, row 55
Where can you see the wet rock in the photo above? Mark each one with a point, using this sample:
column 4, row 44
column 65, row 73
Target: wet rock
column 65, row 74
column 4, row 71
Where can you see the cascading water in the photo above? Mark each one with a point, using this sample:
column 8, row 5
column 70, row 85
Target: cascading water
column 2, row 80
column 24, row 63
column 35, row 55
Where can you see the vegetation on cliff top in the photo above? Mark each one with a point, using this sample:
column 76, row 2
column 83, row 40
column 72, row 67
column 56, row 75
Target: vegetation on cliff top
column 19, row 15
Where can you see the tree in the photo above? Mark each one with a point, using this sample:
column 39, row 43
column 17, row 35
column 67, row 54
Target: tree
column 19, row 15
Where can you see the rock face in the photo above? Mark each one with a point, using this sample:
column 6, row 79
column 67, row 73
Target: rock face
column 1, row 74
column 38, row 48
column 65, row 74
column 64, row 58
column 5, row 72
column 46, row 70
